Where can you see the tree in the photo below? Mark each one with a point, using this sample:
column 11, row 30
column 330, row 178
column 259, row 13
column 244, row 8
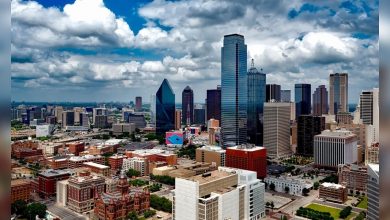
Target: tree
column 272, row 186
column 132, row 216
column 160, row 203
column 155, row 187
column 345, row 212
column 287, row 189
column 35, row 209
column 132, row 172
column 305, row 191
column 149, row 213
column 267, row 204
column 18, row 207
column 316, row 185
column 272, row 205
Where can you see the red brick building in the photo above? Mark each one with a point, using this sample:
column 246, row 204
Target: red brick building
column 116, row 205
column 27, row 152
column 247, row 157
column 154, row 155
column 82, row 190
column 23, row 145
column 116, row 161
column 353, row 176
column 97, row 168
column 76, row 147
column 47, row 180
column 55, row 163
column 20, row 190
column 78, row 161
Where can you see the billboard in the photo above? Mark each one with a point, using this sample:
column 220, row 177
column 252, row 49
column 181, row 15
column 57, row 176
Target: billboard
column 174, row 138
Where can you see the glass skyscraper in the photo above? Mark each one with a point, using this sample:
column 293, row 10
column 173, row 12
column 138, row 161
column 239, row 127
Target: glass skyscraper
column 302, row 99
column 256, row 99
column 320, row 101
column 213, row 103
column 273, row 92
column 338, row 93
column 187, row 106
column 234, row 90
column 165, row 108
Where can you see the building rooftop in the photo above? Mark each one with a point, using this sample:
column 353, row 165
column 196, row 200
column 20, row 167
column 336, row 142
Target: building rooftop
column 19, row 182
column 374, row 167
column 213, row 148
column 210, row 176
column 332, row 185
column 51, row 172
column 246, row 147
column 341, row 133
column 85, row 157
column 100, row 166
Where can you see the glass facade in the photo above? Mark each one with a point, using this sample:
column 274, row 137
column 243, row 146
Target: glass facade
column 302, row 99
column 256, row 99
column 165, row 108
column 338, row 93
column 234, row 90
column 213, row 101
column 273, row 92
column 187, row 106
column 320, row 101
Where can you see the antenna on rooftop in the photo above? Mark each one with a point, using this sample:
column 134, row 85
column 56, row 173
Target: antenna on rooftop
column 253, row 63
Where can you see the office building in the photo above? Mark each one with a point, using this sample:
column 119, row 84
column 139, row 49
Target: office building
column 353, row 176
column 302, row 99
column 332, row 148
column 285, row 95
column 369, row 111
column 116, row 161
column 123, row 128
column 177, row 119
column 20, row 190
column 153, row 110
column 138, row 120
column 248, row 157
column 320, row 101
column 199, row 116
column 84, row 119
column 76, row 147
column 333, row 192
column 137, row 163
column 308, row 127
column 154, row 155
column 256, row 99
column 225, row 193
column 295, row 185
column 234, row 94
column 44, row 130
column 78, row 161
column 165, row 108
column 359, row 130
column 213, row 103
column 211, row 154
column 97, row 112
column 100, row 121
column 81, row 191
column 58, row 113
column 338, row 93
column 187, row 106
column 47, row 180
column 273, row 92
column 343, row 118
column 372, row 154
column 277, row 129
column 98, row 169
column 373, row 192
column 67, row 118
column 138, row 103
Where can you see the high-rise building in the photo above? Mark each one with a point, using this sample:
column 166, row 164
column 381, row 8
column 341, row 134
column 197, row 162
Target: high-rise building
column 165, row 108
column 67, row 118
column 100, row 121
column 138, row 103
column 277, row 129
column 256, row 99
column 285, row 95
column 226, row 193
column 84, row 119
column 302, row 99
column 273, row 92
column 248, row 157
column 199, row 115
column 234, row 90
column 213, row 102
column 332, row 148
column 373, row 191
column 338, row 93
column 98, row 111
column 369, row 111
column 308, row 127
column 177, row 119
column 320, row 101
column 187, row 106
column 138, row 120
column 153, row 110
column 58, row 113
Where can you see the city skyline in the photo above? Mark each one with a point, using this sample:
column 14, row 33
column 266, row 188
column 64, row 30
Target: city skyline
column 129, row 50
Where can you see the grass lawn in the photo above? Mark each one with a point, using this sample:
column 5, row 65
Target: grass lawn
column 334, row 212
column 363, row 204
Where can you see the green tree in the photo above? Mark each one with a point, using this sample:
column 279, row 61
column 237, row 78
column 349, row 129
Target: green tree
column 286, row 189
column 272, row 186
column 345, row 212
column 155, row 187
column 160, row 203
column 35, row 209
column 132, row 172
column 18, row 207
column 132, row 216
column 305, row 191
column 316, row 185
column 149, row 213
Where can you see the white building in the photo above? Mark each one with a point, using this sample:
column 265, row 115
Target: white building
column 44, row 130
column 373, row 192
column 277, row 129
column 136, row 163
column 226, row 193
column 294, row 185
column 332, row 148
column 62, row 192
column 369, row 112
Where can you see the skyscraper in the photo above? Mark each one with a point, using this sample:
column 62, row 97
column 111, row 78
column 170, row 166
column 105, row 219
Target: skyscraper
column 285, row 95
column 153, row 110
column 138, row 103
column 277, row 129
column 369, row 106
column 302, row 99
column 165, row 108
column 272, row 92
column 177, row 119
column 320, row 101
column 187, row 106
column 256, row 99
column 373, row 192
column 338, row 93
column 234, row 90
column 213, row 103
column 67, row 118
column 308, row 127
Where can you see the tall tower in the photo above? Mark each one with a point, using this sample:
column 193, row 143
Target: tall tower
column 165, row 108
column 320, row 101
column 234, row 90
column 302, row 99
column 273, row 92
column 338, row 93
column 213, row 103
column 187, row 106
column 256, row 99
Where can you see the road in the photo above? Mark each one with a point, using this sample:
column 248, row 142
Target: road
column 300, row 202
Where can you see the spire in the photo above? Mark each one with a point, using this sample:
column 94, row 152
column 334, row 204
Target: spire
column 253, row 63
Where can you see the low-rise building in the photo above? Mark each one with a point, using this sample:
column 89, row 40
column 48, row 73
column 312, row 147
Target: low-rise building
column 294, row 185
column 123, row 128
column 372, row 154
column 354, row 177
column 154, row 155
column 333, row 192
column 137, row 163
column 116, row 161
column 47, row 181
column 211, row 154
column 57, row 162
column 20, row 190
column 78, row 161
column 98, row 168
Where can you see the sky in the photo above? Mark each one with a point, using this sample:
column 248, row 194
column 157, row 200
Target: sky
column 114, row 50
